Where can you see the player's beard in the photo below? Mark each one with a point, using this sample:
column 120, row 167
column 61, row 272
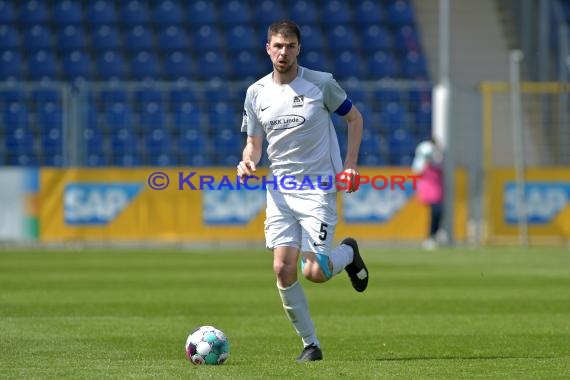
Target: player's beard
column 283, row 69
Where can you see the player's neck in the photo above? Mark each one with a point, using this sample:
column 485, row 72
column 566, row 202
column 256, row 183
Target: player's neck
column 286, row 78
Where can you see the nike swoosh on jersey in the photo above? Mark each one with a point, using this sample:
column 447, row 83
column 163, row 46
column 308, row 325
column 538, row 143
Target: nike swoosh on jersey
column 263, row 109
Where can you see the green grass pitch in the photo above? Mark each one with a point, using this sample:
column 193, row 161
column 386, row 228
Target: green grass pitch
column 501, row 313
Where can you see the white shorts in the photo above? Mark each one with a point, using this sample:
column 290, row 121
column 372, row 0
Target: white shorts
column 305, row 221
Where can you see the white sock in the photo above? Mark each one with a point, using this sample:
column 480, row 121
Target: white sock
column 340, row 257
column 297, row 310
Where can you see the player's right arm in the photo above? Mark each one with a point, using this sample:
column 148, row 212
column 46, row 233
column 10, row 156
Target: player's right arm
column 250, row 156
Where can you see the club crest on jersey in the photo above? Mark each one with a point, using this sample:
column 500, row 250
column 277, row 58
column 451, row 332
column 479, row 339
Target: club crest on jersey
column 298, row 100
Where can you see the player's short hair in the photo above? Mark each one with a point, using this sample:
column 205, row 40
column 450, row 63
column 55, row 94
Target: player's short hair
column 284, row 27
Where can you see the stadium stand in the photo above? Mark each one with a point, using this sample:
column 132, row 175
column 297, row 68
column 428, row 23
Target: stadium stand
column 173, row 73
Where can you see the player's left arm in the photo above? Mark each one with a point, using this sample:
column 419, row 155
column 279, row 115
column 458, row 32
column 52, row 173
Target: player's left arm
column 355, row 126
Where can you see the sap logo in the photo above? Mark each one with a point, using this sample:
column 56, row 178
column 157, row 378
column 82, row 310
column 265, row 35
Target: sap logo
column 97, row 203
column 227, row 206
column 543, row 201
column 371, row 205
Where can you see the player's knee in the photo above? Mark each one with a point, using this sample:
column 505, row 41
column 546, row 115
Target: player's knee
column 316, row 268
column 314, row 273
column 286, row 274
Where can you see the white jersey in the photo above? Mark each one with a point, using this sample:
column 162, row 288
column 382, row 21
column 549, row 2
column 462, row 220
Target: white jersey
column 296, row 120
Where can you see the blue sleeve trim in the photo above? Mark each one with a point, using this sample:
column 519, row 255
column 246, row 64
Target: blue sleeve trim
column 344, row 107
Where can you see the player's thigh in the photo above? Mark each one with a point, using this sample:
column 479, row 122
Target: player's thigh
column 281, row 226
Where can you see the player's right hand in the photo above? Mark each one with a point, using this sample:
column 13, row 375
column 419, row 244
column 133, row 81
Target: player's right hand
column 245, row 168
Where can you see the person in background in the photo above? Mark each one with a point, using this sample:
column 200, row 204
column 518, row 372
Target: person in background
column 428, row 162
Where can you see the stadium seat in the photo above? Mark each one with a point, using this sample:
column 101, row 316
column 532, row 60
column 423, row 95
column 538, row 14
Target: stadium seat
column 304, row 13
column 177, row 65
column 151, row 117
column 167, row 12
column 401, row 143
column 37, row 37
column 147, row 94
column 222, row 115
column 7, row 12
column 70, row 37
column 414, row 66
column 126, row 159
column 144, row 66
column 375, row 38
column 163, row 159
column 400, row 12
column 343, row 37
column 11, row 92
column 45, row 92
column 240, row 37
column 119, row 116
column 202, row 13
column 249, row 66
column 9, row 37
column 182, row 93
column 96, row 159
column 393, row 116
column 315, row 60
column 407, row 39
column 369, row 12
column 235, row 12
column 347, row 65
column 33, row 12
column 67, row 12
column 20, row 140
column 93, row 140
column 134, row 12
column 113, row 94
column 42, row 65
column 101, row 12
column 77, row 65
column 10, row 65
column 311, row 37
column 156, row 141
column 382, row 65
column 123, row 140
column 385, row 95
column 105, row 37
column 138, row 38
column 172, row 37
column 211, row 64
column 228, row 146
column 51, row 142
column 355, row 90
column 336, row 13
column 187, row 116
column 423, row 116
column 207, row 37
column 267, row 12
column 23, row 159
column 216, row 90
column 110, row 66
column 16, row 116
column 50, row 116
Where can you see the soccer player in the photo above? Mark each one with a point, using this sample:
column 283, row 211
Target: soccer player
column 291, row 107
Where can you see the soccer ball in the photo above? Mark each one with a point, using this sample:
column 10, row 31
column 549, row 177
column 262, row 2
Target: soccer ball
column 207, row 345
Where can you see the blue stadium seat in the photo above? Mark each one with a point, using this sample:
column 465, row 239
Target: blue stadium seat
column 77, row 65
column 50, row 116
column 10, row 65
column 172, row 37
column 144, row 66
column 369, row 12
column 207, row 37
column 385, row 95
column 134, row 12
column 11, row 92
column 9, row 37
column 343, row 37
column 46, row 92
column 93, row 140
column 67, row 12
column 96, row 159
column 311, row 37
column 419, row 95
column 37, row 37
column 151, row 117
column 393, row 116
column 235, row 12
column 347, row 65
column 228, row 145
column 51, row 141
column 178, row 65
column 42, row 65
column 191, row 142
column 113, row 94
column 211, row 64
column 414, row 66
column 304, row 12
column 126, row 159
column 423, row 116
column 16, row 116
column 216, row 90
column 268, row 11
column 249, row 66
column 105, row 37
column 202, row 13
column 101, row 12
column 110, row 65
column 315, row 60
column 7, row 12
column 187, row 115
column 138, row 38
column 163, row 159
column 222, row 115
column 375, row 38
column 167, row 12
column 382, row 65
column 157, row 141
column 20, row 140
column 400, row 12
column 336, row 12
column 23, row 159
column 147, row 94
column 123, row 140
column 407, row 39
column 356, row 90
column 119, row 116
column 182, row 93
column 240, row 37
column 33, row 12
column 71, row 37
